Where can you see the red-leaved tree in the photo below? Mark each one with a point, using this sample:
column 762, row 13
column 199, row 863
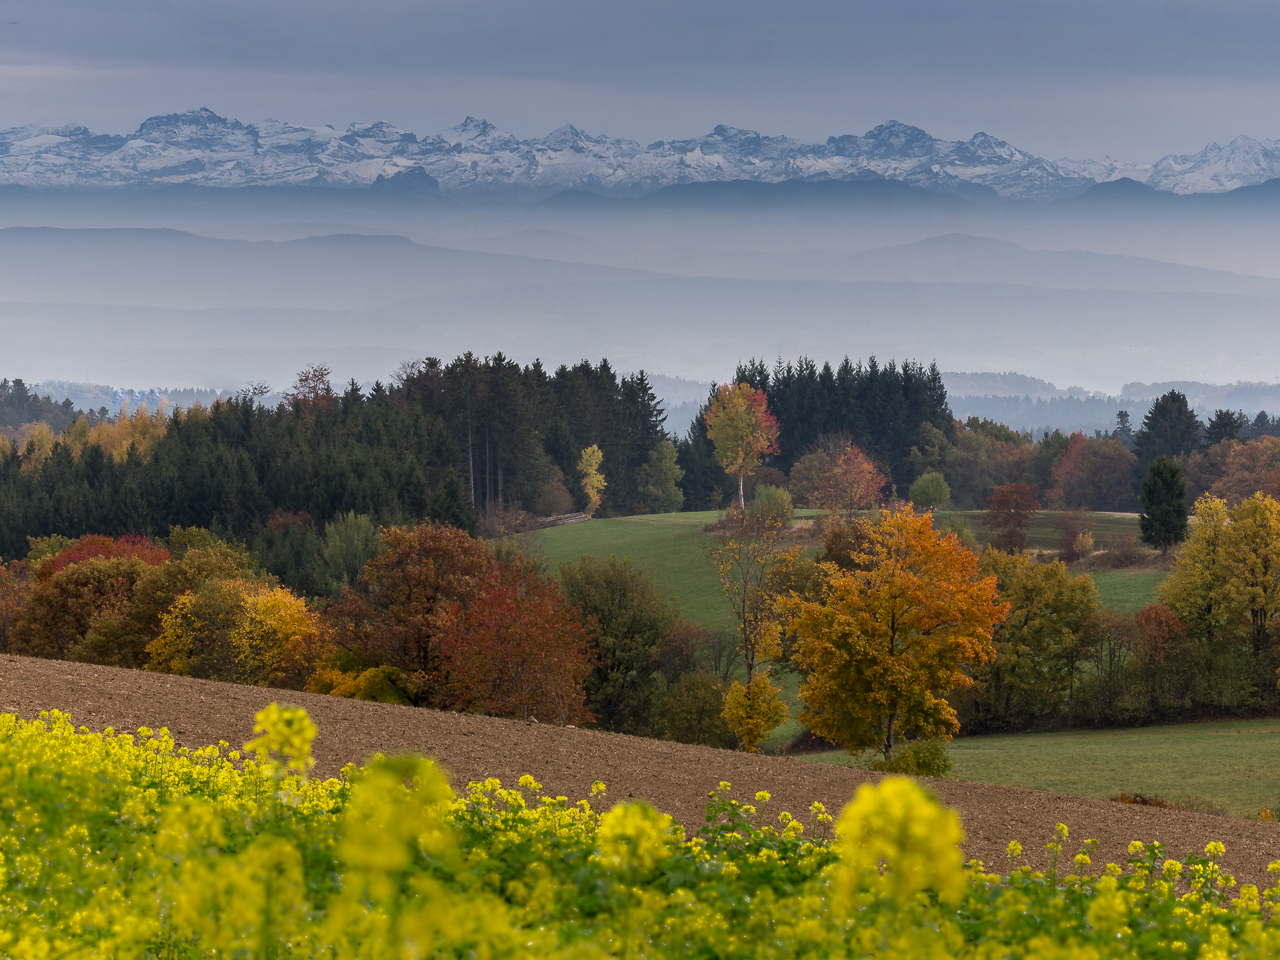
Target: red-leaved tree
column 853, row 482
column 1011, row 510
column 92, row 546
column 519, row 649
column 404, row 602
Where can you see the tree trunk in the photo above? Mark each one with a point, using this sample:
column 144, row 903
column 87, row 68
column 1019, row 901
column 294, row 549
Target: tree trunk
column 742, row 500
column 471, row 466
column 888, row 736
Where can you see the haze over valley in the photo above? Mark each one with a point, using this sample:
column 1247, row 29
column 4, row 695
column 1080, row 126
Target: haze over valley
column 169, row 284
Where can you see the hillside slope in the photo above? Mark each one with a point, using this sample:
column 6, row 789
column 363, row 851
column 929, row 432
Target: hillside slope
column 673, row 777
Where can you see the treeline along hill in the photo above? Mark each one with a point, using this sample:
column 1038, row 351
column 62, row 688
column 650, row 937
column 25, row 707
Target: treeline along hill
column 444, row 441
column 486, row 437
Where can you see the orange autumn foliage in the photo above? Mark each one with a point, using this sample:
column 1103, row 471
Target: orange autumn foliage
column 404, row 602
column 520, row 650
column 891, row 637
column 853, row 482
column 93, row 546
column 436, row 620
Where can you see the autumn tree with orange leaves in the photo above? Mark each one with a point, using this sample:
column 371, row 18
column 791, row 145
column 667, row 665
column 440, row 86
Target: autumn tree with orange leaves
column 853, row 482
column 436, row 620
column 520, row 650
column 743, row 430
column 399, row 612
column 313, row 390
column 892, row 636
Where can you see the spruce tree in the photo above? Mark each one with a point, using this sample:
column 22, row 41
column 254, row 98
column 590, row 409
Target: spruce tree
column 1170, row 429
column 1225, row 425
column 1164, row 504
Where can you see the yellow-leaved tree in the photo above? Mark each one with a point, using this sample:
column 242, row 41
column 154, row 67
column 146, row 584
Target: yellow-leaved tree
column 593, row 482
column 891, row 636
column 743, row 430
column 1195, row 587
column 755, row 570
column 753, row 710
column 238, row 630
column 1227, row 578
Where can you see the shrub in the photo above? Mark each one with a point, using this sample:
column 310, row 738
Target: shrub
column 753, row 711
column 554, row 500
column 693, row 710
column 1117, row 553
column 1075, row 534
column 1186, row 804
column 930, row 492
column 918, row 758
column 377, row 684
column 771, row 507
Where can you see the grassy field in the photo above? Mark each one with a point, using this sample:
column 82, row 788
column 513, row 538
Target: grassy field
column 1043, row 535
column 672, row 545
column 1233, row 763
column 1127, row 591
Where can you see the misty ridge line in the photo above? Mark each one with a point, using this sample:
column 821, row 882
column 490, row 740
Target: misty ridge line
column 147, row 266
column 475, row 157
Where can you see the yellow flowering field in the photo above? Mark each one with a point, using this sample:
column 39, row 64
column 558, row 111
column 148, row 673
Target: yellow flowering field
column 120, row 846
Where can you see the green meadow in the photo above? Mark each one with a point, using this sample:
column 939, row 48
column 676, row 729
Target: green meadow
column 1233, row 763
column 674, row 547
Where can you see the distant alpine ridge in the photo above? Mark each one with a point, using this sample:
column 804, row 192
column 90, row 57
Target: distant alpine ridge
column 199, row 147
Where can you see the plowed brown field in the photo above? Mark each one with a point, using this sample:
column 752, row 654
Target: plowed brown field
column 673, row 777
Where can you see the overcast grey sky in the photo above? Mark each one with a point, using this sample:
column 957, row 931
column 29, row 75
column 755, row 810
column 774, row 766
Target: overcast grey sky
column 1083, row 78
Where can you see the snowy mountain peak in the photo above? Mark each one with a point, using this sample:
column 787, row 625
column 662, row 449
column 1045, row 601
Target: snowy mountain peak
column 194, row 124
column 1215, row 169
column 470, row 129
column 381, row 131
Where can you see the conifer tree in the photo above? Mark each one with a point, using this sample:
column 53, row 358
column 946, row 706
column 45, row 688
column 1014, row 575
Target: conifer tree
column 1169, row 429
column 1164, row 504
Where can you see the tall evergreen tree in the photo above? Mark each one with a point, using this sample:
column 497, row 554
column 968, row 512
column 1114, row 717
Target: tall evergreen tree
column 1170, row 429
column 1225, row 425
column 1124, row 430
column 1164, row 504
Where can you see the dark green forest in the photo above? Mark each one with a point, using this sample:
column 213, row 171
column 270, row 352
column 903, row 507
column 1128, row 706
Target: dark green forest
column 879, row 408
column 454, row 441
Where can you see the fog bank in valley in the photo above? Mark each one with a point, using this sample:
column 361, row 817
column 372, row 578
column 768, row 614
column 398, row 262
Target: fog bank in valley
column 216, row 287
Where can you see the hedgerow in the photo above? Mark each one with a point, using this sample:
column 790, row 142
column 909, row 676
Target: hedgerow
column 119, row 846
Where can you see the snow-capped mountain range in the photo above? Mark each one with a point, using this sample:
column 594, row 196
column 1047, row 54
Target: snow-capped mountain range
column 201, row 147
